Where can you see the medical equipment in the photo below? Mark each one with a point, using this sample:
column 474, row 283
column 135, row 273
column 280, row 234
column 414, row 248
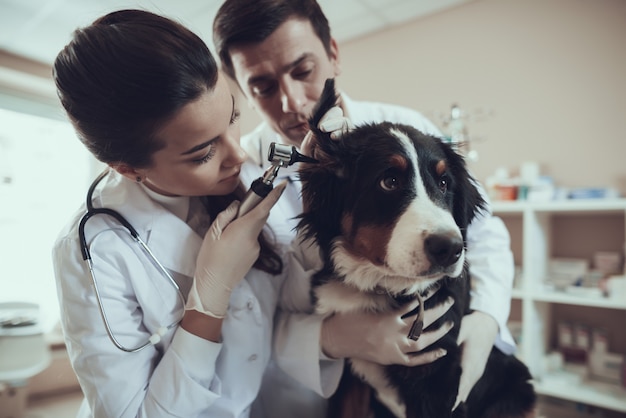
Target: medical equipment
column 84, row 248
column 279, row 155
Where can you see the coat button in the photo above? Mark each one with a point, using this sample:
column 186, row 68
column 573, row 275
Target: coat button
column 250, row 304
column 252, row 357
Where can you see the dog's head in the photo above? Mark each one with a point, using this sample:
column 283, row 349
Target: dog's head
column 387, row 204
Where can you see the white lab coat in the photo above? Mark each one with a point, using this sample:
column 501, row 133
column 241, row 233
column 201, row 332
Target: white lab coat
column 297, row 336
column 183, row 375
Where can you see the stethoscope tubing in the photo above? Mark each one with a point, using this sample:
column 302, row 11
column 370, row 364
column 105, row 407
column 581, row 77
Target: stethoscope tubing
column 84, row 248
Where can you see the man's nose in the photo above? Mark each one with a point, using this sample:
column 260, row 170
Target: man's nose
column 292, row 98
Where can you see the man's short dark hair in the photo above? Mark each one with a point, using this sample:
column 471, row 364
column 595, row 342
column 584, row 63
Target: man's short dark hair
column 241, row 22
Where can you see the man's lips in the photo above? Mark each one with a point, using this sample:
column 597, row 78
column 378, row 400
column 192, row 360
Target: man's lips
column 300, row 125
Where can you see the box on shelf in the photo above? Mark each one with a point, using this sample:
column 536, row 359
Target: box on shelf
column 607, row 262
column 573, row 342
column 604, row 366
column 565, row 272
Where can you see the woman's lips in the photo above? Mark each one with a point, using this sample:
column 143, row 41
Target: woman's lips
column 231, row 177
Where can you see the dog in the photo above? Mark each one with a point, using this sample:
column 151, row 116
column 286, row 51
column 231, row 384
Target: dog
column 388, row 207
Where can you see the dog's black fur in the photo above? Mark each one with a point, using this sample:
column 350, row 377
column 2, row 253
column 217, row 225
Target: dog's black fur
column 361, row 186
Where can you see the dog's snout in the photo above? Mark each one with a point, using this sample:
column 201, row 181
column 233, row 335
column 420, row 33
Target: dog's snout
column 443, row 250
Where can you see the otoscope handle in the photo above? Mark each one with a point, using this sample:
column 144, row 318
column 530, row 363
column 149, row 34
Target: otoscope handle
column 258, row 190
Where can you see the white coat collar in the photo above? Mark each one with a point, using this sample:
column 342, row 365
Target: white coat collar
column 171, row 240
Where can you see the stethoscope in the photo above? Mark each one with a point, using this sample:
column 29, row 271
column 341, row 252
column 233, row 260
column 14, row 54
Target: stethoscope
column 279, row 155
column 84, row 248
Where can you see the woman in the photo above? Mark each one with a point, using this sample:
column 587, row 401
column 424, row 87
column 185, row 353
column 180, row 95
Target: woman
column 146, row 98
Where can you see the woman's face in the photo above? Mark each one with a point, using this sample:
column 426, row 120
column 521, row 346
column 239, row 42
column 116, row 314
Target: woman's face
column 202, row 155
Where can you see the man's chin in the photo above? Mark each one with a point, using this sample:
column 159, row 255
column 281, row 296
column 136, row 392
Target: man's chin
column 295, row 136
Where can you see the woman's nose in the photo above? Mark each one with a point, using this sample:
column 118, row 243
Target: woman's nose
column 235, row 154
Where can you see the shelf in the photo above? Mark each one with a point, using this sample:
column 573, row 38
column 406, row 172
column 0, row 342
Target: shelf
column 561, row 206
column 566, row 385
column 564, row 298
column 575, row 228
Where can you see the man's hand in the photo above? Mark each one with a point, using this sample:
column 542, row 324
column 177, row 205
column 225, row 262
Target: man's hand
column 334, row 123
column 477, row 335
column 383, row 337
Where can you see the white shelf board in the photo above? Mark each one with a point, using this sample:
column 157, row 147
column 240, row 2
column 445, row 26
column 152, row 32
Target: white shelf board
column 560, row 206
column 564, row 298
column 568, row 386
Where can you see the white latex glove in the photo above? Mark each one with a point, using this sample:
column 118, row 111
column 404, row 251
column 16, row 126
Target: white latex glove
column 229, row 250
column 477, row 335
column 382, row 338
column 333, row 122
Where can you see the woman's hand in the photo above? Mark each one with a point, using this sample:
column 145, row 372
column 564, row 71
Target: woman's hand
column 477, row 335
column 229, row 250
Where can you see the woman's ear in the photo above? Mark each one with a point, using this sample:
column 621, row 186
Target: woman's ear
column 129, row 172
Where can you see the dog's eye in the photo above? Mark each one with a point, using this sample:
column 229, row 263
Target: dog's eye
column 443, row 184
column 390, row 183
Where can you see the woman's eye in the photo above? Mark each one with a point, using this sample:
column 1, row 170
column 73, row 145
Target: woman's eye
column 206, row 157
column 235, row 117
column 390, row 183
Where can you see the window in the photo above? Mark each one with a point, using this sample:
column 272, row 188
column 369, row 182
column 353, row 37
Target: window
column 44, row 174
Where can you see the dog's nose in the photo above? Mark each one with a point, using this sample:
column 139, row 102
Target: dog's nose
column 443, row 250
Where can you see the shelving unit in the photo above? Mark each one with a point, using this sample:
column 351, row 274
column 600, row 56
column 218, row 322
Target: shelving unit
column 531, row 225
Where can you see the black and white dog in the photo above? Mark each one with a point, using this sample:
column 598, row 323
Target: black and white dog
column 389, row 207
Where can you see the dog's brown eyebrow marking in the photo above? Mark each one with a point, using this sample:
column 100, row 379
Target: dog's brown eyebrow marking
column 398, row 161
column 441, row 167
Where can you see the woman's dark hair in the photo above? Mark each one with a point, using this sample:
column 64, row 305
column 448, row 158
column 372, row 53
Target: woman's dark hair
column 241, row 22
column 124, row 76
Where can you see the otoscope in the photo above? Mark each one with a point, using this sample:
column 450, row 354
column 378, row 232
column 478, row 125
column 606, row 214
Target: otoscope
column 279, row 155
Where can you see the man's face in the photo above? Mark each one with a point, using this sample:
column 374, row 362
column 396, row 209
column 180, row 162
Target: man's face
column 283, row 76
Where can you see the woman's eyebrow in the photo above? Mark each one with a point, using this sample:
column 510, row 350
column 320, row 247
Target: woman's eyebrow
column 207, row 143
column 199, row 146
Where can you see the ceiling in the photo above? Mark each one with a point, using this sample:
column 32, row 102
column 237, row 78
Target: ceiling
column 38, row 29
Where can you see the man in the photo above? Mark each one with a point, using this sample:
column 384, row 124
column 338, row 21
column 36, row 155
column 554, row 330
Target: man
column 280, row 52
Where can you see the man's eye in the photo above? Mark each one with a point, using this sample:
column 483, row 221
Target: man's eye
column 263, row 90
column 299, row 75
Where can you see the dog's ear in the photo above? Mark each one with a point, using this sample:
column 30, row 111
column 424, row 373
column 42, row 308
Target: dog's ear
column 327, row 100
column 324, row 149
column 468, row 200
column 321, row 198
